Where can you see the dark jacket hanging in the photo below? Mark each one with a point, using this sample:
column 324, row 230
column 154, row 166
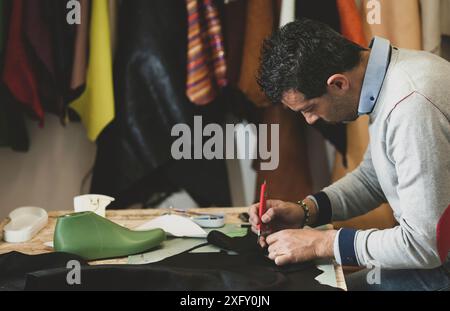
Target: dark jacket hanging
column 50, row 41
column 134, row 152
column 13, row 131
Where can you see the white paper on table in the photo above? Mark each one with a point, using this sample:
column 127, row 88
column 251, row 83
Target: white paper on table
column 175, row 225
column 328, row 275
column 175, row 246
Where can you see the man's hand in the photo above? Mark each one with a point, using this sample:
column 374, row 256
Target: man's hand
column 280, row 215
column 299, row 245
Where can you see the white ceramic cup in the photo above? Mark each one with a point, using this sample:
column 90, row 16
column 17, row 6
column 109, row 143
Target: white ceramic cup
column 96, row 203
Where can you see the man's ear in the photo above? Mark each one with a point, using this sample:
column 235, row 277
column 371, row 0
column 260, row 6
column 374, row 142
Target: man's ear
column 338, row 83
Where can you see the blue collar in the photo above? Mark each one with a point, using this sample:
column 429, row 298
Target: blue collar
column 376, row 71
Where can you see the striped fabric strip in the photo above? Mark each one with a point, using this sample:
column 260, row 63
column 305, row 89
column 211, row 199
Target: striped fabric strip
column 206, row 67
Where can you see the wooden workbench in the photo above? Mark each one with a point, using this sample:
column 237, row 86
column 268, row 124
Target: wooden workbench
column 127, row 218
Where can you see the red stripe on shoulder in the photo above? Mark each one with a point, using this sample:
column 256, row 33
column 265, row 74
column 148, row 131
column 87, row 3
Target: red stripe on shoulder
column 443, row 235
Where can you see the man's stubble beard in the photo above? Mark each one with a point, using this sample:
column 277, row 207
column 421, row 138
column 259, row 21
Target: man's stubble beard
column 343, row 110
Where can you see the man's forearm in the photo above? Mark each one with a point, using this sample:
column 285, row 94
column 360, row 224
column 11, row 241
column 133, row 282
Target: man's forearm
column 324, row 247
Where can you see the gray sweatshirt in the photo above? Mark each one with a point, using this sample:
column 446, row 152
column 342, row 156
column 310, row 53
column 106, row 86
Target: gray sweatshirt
column 407, row 164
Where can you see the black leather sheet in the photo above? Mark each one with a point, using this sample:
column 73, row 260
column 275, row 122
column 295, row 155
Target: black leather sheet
column 249, row 270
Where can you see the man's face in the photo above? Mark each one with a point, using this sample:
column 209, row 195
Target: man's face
column 332, row 108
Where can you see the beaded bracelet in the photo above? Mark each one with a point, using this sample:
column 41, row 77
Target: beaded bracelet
column 305, row 212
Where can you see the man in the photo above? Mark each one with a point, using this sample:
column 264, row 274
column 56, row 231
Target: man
column 315, row 71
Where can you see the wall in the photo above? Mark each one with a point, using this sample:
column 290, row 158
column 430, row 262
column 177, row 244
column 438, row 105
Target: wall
column 51, row 173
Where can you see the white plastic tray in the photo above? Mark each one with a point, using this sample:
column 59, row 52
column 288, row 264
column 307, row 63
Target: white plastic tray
column 25, row 223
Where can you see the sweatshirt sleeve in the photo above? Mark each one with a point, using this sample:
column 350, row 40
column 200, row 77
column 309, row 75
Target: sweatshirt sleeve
column 355, row 194
column 418, row 144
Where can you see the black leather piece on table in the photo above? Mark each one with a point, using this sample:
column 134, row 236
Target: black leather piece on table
column 249, row 270
column 16, row 268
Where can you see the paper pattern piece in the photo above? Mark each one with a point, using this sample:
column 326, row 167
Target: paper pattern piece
column 175, row 225
column 175, row 246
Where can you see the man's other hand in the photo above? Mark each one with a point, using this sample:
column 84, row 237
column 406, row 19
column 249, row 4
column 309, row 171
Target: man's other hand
column 299, row 245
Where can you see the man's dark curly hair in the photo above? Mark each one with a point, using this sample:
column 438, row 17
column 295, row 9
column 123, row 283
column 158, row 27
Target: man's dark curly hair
column 301, row 56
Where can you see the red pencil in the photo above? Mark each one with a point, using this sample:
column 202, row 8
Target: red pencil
column 262, row 209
